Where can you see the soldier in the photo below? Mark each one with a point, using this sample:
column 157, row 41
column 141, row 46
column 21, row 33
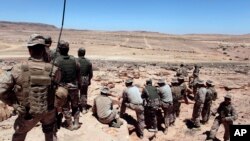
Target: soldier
column 32, row 93
column 131, row 98
column 152, row 104
column 210, row 96
column 182, row 71
column 176, row 92
column 193, row 83
column 165, row 94
column 86, row 74
column 199, row 102
column 47, row 55
column 184, row 88
column 103, row 109
column 227, row 114
column 196, row 69
column 71, row 80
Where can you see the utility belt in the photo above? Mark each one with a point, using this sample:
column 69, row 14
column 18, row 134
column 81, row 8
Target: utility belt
column 69, row 86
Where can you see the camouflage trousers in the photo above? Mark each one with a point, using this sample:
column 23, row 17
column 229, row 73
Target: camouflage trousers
column 206, row 111
column 216, row 125
column 168, row 113
column 197, row 113
column 110, row 118
column 84, row 96
column 151, row 117
column 23, row 125
column 71, row 104
column 139, row 110
column 176, row 110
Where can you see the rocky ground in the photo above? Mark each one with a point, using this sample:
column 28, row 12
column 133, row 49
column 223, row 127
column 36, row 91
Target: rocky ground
column 140, row 55
column 112, row 74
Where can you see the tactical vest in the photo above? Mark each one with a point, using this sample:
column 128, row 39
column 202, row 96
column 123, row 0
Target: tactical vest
column 68, row 68
column 84, row 65
column 209, row 95
column 226, row 110
column 153, row 99
column 176, row 92
column 33, row 95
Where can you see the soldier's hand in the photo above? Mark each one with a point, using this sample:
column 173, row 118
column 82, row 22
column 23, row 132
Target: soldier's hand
column 5, row 112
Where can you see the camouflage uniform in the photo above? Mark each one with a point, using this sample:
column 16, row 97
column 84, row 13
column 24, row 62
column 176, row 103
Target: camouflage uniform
column 86, row 74
column 177, row 95
column 193, row 83
column 210, row 96
column 31, row 86
column 165, row 94
column 199, row 103
column 131, row 98
column 152, row 104
column 71, row 79
column 227, row 114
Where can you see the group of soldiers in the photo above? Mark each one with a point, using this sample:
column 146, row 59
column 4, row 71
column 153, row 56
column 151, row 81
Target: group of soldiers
column 52, row 84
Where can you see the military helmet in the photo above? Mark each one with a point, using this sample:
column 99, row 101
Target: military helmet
column 63, row 44
column 36, row 39
column 48, row 40
column 105, row 90
column 228, row 96
column 81, row 51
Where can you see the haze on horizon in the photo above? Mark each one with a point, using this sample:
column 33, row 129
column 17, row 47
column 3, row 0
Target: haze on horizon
column 165, row 16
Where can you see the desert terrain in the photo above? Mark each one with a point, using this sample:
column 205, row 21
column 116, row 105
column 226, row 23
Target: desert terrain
column 140, row 55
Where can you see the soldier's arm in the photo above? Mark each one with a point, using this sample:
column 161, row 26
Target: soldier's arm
column 215, row 95
column 233, row 116
column 144, row 94
column 78, row 74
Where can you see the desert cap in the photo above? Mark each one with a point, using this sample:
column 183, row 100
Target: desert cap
column 105, row 90
column 210, row 82
column 228, row 96
column 63, row 44
column 129, row 81
column 200, row 82
column 161, row 81
column 36, row 39
column 180, row 78
column 174, row 81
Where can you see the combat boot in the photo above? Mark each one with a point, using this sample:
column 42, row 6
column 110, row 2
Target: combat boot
column 68, row 124
column 77, row 124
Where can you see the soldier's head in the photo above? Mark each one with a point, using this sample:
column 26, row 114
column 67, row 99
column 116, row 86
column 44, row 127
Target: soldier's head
column 180, row 79
column 149, row 82
column 48, row 40
column 81, row 52
column 36, row 46
column 63, row 47
column 227, row 99
column 209, row 83
column 129, row 82
column 181, row 65
column 174, row 82
column 105, row 91
column 161, row 82
column 200, row 83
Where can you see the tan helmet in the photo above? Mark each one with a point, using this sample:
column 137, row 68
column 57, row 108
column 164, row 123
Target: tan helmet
column 36, row 39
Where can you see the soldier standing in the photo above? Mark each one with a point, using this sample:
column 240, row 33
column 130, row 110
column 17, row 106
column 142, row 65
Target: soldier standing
column 176, row 92
column 227, row 114
column 194, row 82
column 71, row 79
column 182, row 71
column 86, row 74
column 152, row 104
column 104, row 111
column 131, row 98
column 196, row 69
column 47, row 55
column 210, row 96
column 165, row 94
column 32, row 88
column 199, row 103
